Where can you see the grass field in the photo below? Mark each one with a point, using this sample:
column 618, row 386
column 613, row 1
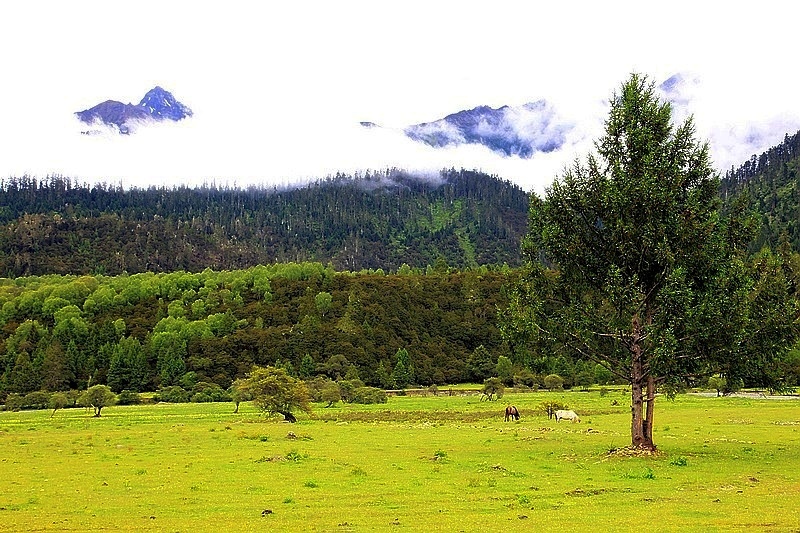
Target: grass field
column 446, row 463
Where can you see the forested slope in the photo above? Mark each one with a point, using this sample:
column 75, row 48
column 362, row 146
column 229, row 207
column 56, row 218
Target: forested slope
column 770, row 185
column 377, row 220
column 146, row 331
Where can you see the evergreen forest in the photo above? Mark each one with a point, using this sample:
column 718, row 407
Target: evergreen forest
column 388, row 278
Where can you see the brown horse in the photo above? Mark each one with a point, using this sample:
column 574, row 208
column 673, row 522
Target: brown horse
column 512, row 412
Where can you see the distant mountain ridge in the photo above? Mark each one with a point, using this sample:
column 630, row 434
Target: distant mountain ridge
column 373, row 221
column 511, row 131
column 157, row 105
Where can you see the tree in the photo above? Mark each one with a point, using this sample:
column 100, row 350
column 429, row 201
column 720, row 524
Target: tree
column 331, row 393
column 480, row 364
column 58, row 400
column 97, row 396
column 275, row 391
column 553, row 382
column 717, row 383
column 505, row 370
column 323, row 301
column 648, row 276
column 239, row 393
column 493, row 387
column 307, row 366
column 403, row 373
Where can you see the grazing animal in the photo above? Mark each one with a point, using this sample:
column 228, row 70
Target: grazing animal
column 512, row 412
column 567, row 415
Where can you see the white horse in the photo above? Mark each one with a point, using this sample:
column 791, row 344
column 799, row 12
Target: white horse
column 567, row 415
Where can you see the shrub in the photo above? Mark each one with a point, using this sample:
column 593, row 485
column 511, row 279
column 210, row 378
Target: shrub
column 554, row 382
column 366, row 395
column 128, row 397
column 525, row 379
column 36, row 400
column 209, row 392
column 316, row 386
column 348, row 388
column 14, row 402
column 171, row 394
column 493, row 389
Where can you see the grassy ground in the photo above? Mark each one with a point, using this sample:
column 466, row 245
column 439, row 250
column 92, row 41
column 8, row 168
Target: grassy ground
column 447, row 463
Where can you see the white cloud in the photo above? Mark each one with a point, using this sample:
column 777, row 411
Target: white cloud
column 278, row 90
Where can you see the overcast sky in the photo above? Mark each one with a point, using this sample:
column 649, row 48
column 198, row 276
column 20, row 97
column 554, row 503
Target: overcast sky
column 278, row 88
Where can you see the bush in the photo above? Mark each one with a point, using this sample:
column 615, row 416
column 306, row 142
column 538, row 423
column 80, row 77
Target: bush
column 365, row 395
column 316, row 386
column 348, row 388
column 493, row 389
column 172, row 394
column 209, row 392
column 525, row 379
column 14, row 402
column 128, row 397
column 36, row 400
column 554, row 382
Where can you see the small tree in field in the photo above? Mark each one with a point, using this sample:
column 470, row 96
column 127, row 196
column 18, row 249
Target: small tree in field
column 58, row 400
column 275, row 391
column 493, row 389
column 554, row 382
column 718, row 383
column 239, row 394
column 98, row 396
column 331, row 393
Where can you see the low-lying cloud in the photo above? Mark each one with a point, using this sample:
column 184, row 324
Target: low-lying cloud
column 255, row 142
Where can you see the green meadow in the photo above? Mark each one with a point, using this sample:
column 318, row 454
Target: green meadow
column 443, row 463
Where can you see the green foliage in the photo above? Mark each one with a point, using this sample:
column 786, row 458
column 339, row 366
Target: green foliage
column 323, row 302
column 505, row 370
column 331, row 393
column 526, row 379
column 58, row 400
column 276, row 392
column 480, row 364
column 128, row 397
column 553, row 382
column 37, row 400
column 372, row 221
column 367, row 395
column 172, row 394
column 403, row 373
column 97, row 396
column 549, row 407
column 718, row 383
column 493, row 389
column 651, row 278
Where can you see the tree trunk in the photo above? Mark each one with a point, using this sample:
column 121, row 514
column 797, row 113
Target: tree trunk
column 641, row 416
column 289, row 417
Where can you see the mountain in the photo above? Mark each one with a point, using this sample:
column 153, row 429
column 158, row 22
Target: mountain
column 373, row 221
column 511, row 131
column 157, row 105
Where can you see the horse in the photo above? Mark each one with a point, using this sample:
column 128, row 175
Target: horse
column 564, row 414
column 512, row 412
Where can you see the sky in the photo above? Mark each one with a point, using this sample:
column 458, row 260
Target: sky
column 278, row 88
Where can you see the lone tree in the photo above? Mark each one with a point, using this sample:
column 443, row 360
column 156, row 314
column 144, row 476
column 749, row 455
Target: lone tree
column 648, row 278
column 275, row 391
column 98, row 396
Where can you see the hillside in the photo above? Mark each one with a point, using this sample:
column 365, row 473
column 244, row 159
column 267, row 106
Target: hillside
column 378, row 220
column 770, row 184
